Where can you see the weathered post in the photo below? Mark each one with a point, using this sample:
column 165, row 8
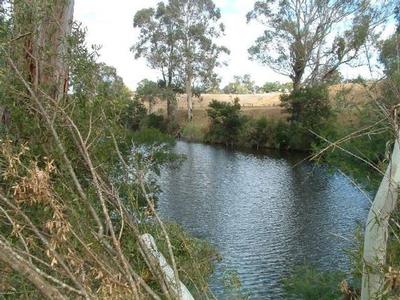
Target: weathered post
column 376, row 232
column 155, row 259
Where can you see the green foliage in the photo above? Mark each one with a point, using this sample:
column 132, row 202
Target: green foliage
column 257, row 133
column 150, row 150
column 155, row 121
column 389, row 55
column 240, row 85
column 308, row 283
column 282, row 135
column 308, row 106
column 193, row 132
column 91, row 125
column 230, row 128
column 134, row 115
column 309, row 113
column 150, row 92
column 295, row 36
column 152, row 136
column 226, row 122
column 136, row 118
column 362, row 155
column 232, row 286
column 270, row 87
column 180, row 44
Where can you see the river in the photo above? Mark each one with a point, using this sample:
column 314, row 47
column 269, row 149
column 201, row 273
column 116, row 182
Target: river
column 264, row 213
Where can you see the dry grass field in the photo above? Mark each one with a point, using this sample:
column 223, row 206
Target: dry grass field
column 258, row 105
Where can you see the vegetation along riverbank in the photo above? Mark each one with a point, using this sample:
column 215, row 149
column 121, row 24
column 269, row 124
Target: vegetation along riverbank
column 81, row 152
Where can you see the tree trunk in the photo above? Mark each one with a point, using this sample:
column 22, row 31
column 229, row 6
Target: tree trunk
column 189, row 95
column 66, row 14
column 376, row 233
column 46, row 46
column 171, row 108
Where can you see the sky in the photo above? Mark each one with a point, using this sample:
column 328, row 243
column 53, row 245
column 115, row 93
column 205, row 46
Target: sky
column 110, row 25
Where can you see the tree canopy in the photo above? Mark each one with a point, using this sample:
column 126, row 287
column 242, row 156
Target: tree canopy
column 177, row 38
column 242, row 84
column 309, row 40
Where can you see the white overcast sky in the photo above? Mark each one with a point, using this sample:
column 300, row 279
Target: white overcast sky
column 110, row 24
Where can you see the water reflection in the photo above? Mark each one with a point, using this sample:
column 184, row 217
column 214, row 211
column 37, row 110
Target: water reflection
column 263, row 215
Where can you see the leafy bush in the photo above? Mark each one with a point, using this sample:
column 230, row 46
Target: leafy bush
column 310, row 284
column 135, row 114
column 310, row 112
column 241, row 85
column 308, row 106
column 226, row 122
column 281, row 136
column 193, row 132
column 135, row 118
column 154, row 121
column 257, row 133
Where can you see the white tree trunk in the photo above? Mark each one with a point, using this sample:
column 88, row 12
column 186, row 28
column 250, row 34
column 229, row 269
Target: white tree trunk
column 189, row 94
column 157, row 259
column 376, row 233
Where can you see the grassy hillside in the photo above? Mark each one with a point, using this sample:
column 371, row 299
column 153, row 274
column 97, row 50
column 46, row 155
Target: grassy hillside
column 268, row 105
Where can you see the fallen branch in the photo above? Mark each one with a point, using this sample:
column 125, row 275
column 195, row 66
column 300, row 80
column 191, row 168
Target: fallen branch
column 157, row 259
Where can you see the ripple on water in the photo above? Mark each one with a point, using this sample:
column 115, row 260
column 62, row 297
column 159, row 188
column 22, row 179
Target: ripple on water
column 263, row 215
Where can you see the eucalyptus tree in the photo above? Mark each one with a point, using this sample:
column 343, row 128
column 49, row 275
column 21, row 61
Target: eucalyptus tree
column 157, row 43
column 177, row 38
column 199, row 26
column 241, row 85
column 309, row 40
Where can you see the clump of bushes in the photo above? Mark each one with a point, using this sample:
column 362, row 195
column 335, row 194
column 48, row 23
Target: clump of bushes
column 308, row 283
column 257, row 132
column 136, row 118
column 309, row 111
column 193, row 132
column 226, row 122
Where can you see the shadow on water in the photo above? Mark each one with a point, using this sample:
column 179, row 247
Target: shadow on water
column 264, row 214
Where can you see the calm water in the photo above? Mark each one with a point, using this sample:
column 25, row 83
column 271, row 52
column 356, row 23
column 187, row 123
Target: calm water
column 264, row 215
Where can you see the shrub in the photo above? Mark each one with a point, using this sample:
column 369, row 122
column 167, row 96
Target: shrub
column 308, row 283
column 257, row 133
column 226, row 122
column 308, row 106
column 310, row 111
column 136, row 112
column 281, row 135
column 154, row 121
column 193, row 132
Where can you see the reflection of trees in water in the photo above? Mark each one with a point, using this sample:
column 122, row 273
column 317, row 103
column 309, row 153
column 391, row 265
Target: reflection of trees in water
column 327, row 208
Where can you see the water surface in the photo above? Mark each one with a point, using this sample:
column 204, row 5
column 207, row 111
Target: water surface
column 263, row 214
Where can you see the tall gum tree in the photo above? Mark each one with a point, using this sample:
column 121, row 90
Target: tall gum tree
column 199, row 27
column 309, row 40
column 157, row 43
column 177, row 38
